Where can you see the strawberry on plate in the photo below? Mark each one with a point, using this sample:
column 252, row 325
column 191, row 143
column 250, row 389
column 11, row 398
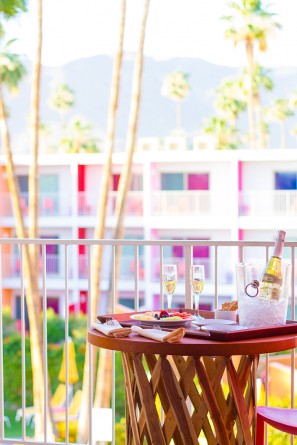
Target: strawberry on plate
column 164, row 314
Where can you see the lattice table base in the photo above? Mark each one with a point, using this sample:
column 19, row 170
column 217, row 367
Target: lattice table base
column 182, row 399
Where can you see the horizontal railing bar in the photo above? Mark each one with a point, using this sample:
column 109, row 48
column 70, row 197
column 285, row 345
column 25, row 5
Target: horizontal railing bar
column 117, row 242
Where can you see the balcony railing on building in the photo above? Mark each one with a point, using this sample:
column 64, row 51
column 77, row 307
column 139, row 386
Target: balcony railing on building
column 182, row 203
column 50, row 205
column 268, row 203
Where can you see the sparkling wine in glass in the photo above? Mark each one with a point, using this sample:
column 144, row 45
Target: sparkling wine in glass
column 197, row 283
column 169, row 276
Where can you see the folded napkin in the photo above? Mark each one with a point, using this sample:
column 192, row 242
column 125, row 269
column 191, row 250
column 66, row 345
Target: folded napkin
column 112, row 330
column 159, row 335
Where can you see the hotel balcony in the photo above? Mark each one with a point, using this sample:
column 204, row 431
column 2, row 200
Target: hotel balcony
column 51, row 205
column 260, row 208
column 142, row 270
column 88, row 203
column 209, row 206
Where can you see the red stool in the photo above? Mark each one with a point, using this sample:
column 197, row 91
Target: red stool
column 283, row 419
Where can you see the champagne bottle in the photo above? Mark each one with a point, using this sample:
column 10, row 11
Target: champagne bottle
column 272, row 278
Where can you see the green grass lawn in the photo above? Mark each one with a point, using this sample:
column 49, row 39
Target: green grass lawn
column 15, row 429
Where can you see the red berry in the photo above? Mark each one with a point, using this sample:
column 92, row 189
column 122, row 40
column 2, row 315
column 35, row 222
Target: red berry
column 162, row 313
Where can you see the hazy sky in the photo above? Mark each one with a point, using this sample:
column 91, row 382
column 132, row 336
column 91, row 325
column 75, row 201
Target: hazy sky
column 176, row 28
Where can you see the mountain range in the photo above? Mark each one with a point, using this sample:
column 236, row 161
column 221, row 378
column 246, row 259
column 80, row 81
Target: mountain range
column 90, row 80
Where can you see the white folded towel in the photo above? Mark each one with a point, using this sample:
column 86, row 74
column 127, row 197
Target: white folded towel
column 159, row 335
column 112, row 330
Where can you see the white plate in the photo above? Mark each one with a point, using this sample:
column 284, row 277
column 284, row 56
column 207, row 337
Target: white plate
column 215, row 321
column 222, row 328
column 163, row 322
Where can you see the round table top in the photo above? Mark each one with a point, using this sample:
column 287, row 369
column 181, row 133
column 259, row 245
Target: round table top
column 192, row 346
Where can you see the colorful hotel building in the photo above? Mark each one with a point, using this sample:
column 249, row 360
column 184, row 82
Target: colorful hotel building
column 176, row 193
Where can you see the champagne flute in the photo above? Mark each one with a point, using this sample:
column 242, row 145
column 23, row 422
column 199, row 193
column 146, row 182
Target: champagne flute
column 197, row 283
column 169, row 276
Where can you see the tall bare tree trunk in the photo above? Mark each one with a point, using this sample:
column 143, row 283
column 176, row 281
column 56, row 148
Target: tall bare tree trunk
column 34, row 123
column 101, row 397
column 251, row 105
column 107, row 169
column 32, row 292
column 33, row 226
column 124, row 185
column 125, row 178
column 259, row 121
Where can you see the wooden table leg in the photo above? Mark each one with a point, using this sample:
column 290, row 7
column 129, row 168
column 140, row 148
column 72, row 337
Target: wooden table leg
column 182, row 399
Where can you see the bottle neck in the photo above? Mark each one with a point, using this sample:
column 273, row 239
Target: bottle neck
column 278, row 247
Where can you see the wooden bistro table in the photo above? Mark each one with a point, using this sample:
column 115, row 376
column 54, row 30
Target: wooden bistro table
column 180, row 392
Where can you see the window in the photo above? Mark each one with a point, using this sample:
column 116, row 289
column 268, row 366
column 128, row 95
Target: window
column 23, row 183
column 49, row 187
column 285, row 181
column 172, row 181
column 199, row 181
column 49, row 183
column 136, row 182
column 184, row 181
column 24, row 188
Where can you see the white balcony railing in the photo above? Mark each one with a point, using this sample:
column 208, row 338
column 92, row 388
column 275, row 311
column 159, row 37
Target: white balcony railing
column 50, row 204
column 268, row 203
column 88, row 203
column 147, row 255
column 182, row 203
column 189, row 203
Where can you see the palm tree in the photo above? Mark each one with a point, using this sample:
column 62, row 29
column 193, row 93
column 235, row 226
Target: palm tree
column 103, row 385
column 293, row 99
column 279, row 111
column 34, row 130
column 62, row 99
column 230, row 101
column 11, row 72
column 79, row 139
column 125, row 178
column 104, row 391
column 12, row 69
column 261, row 78
column 176, row 86
column 293, row 106
column 38, row 380
column 251, row 24
column 294, row 131
column 9, row 10
column 224, row 134
column 44, row 133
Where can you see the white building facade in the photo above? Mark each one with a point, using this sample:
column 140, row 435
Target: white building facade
column 186, row 194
